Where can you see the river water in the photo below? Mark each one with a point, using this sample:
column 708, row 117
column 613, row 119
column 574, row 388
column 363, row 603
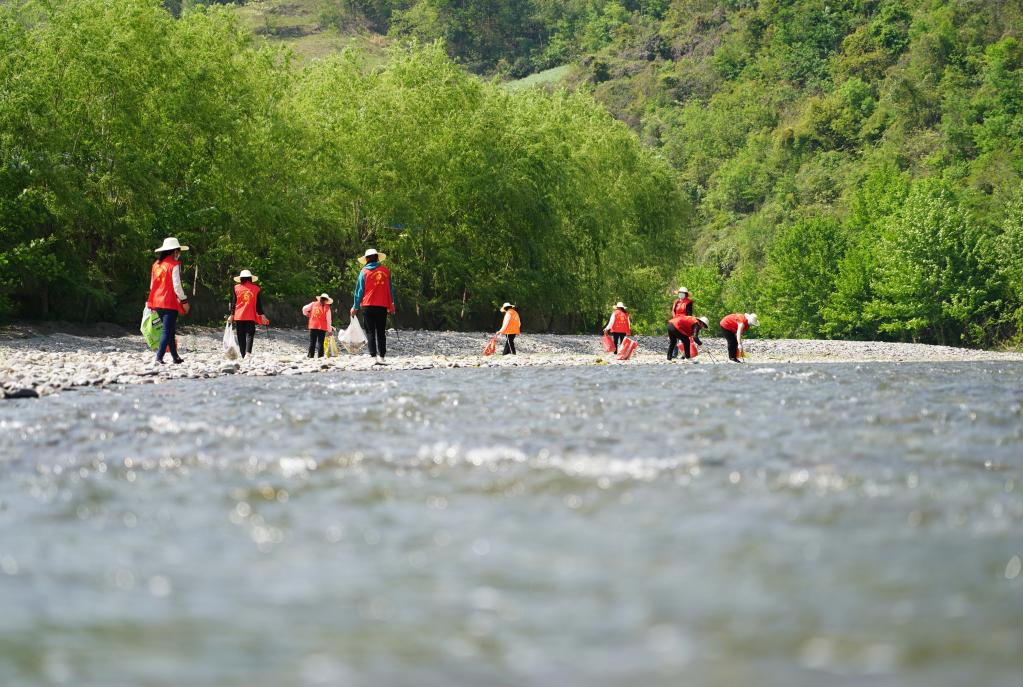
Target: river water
column 699, row 525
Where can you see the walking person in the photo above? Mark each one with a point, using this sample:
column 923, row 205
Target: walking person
column 619, row 325
column 320, row 323
column 167, row 296
column 511, row 327
column 685, row 329
column 683, row 305
column 733, row 327
column 246, row 310
column 374, row 295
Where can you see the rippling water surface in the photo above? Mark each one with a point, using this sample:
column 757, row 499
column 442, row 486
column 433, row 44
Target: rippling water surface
column 793, row 525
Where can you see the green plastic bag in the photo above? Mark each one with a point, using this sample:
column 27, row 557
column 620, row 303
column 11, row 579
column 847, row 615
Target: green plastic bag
column 151, row 328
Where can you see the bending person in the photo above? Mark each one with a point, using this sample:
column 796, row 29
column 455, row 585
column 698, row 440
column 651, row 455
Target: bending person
column 511, row 327
column 683, row 305
column 733, row 327
column 685, row 329
column 246, row 310
column 374, row 295
column 619, row 326
column 167, row 296
column 320, row 323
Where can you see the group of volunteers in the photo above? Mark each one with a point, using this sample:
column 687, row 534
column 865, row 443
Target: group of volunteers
column 374, row 297
column 684, row 329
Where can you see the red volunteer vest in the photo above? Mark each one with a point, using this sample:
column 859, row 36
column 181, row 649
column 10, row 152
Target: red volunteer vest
column 318, row 316
column 620, row 322
column 245, row 302
column 161, row 293
column 376, row 287
column 514, row 322
column 680, row 306
column 685, row 324
column 732, row 322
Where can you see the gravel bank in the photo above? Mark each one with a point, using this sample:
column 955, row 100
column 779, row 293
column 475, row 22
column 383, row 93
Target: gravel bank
column 36, row 361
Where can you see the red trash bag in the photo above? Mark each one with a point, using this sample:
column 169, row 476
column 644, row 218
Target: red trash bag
column 609, row 343
column 693, row 350
column 491, row 346
column 625, row 351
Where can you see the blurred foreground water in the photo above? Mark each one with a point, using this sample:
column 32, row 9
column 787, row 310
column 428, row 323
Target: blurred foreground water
column 698, row 525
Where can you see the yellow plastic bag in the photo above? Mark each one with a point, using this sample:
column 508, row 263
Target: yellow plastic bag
column 330, row 349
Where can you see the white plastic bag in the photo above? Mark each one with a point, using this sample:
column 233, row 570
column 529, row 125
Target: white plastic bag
column 353, row 338
column 231, row 351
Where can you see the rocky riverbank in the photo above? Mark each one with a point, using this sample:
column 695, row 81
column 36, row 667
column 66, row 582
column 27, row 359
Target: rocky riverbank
column 41, row 360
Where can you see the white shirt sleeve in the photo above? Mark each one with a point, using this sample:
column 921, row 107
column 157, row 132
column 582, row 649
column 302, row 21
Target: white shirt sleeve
column 507, row 321
column 176, row 278
column 330, row 322
column 738, row 335
column 610, row 321
column 306, row 308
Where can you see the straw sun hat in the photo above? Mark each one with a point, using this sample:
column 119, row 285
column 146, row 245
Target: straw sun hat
column 754, row 321
column 170, row 243
column 245, row 273
column 373, row 251
column 323, row 295
column 684, row 290
column 506, row 306
column 621, row 305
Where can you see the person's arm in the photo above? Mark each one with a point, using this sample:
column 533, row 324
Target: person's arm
column 610, row 321
column 360, row 286
column 306, row 309
column 696, row 335
column 390, row 285
column 330, row 322
column 179, row 290
column 628, row 325
column 689, row 308
column 738, row 336
column 507, row 321
column 259, row 303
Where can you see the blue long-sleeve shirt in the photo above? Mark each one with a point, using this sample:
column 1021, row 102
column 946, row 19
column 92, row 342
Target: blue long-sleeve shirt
column 360, row 285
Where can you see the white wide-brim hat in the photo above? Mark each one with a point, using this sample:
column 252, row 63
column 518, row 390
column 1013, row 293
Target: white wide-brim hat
column 621, row 305
column 684, row 290
column 323, row 295
column 506, row 306
column 754, row 321
column 245, row 273
column 703, row 318
column 170, row 243
column 373, row 251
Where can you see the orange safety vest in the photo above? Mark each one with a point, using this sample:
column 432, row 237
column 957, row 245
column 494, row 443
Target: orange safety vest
column 318, row 316
column 685, row 324
column 734, row 321
column 161, row 291
column 620, row 322
column 514, row 323
column 245, row 295
column 376, row 287
column 679, row 308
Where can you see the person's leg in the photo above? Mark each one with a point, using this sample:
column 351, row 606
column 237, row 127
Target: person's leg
column 168, row 318
column 251, row 334
column 511, row 343
column 320, row 336
column 673, row 337
column 507, row 346
column 733, row 346
column 239, row 335
column 376, row 330
column 685, row 345
column 382, row 333
column 312, row 343
column 617, row 338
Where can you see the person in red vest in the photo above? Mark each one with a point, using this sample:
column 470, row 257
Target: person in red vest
column 619, row 325
column 167, row 296
column 320, row 323
column 510, row 327
column 374, row 295
column 246, row 310
column 683, row 305
column 682, row 328
column 733, row 327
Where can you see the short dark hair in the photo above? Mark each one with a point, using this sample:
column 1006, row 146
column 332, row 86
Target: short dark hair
column 245, row 280
column 164, row 254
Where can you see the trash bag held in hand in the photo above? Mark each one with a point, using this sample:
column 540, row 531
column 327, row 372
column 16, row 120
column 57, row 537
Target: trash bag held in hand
column 151, row 327
column 609, row 343
column 231, row 351
column 353, row 338
column 491, row 346
column 627, row 348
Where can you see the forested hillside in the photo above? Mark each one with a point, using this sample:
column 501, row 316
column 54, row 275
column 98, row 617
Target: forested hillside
column 854, row 167
column 121, row 124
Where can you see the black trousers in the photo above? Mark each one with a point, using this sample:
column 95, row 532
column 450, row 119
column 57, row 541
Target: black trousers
column 674, row 337
column 245, row 332
column 509, row 344
column 733, row 345
column 374, row 321
column 617, row 337
column 316, row 338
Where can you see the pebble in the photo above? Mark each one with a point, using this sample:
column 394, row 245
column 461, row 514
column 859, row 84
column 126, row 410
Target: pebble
column 34, row 364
